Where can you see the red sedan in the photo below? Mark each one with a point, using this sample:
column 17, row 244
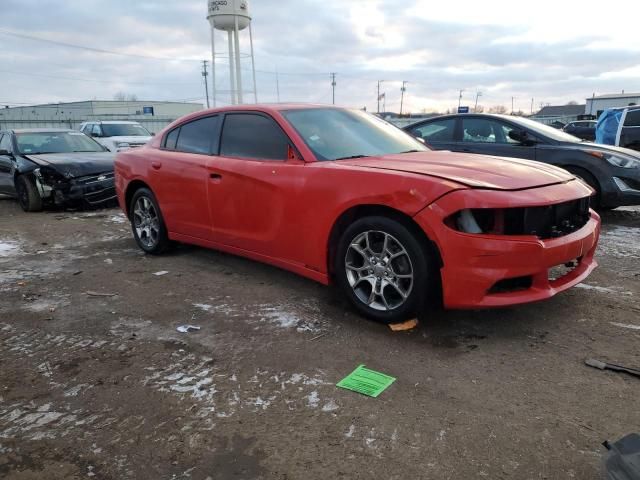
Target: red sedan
column 343, row 197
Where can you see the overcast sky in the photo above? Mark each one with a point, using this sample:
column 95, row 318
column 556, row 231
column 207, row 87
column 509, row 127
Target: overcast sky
column 551, row 51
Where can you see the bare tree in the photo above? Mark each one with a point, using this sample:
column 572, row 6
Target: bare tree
column 572, row 102
column 498, row 109
column 125, row 97
column 479, row 109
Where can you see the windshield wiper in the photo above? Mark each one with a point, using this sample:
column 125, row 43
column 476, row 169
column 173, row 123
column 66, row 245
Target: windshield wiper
column 410, row 151
column 352, row 157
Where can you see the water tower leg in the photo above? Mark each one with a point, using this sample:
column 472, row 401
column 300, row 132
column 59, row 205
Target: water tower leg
column 238, row 72
column 232, row 70
column 213, row 65
column 253, row 66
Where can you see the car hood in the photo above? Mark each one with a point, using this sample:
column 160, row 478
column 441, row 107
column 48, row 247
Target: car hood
column 133, row 139
column 478, row 171
column 76, row 164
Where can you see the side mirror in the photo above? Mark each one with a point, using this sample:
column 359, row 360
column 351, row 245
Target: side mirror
column 153, row 134
column 5, row 153
column 94, row 134
column 521, row 136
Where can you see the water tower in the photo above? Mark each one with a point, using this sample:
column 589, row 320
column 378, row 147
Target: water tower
column 231, row 16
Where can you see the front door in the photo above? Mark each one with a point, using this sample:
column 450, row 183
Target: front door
column 489, row 136
column 438, row 134
column 250, row 182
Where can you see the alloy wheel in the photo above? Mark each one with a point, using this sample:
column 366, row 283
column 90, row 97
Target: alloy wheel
column 146, row 222
column 379, row 270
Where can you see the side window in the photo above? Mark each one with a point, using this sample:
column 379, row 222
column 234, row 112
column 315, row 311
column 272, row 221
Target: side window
column 5, row 142
column 438, row 131
column 633, row 118
column 198, row 136
column 96, row 130
column 481, row 130
column 171, row 139
column 249, row 135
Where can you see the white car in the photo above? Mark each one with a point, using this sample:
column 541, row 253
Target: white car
column 117, row 135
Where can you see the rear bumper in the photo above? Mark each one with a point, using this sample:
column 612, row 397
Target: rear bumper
column 487, row 271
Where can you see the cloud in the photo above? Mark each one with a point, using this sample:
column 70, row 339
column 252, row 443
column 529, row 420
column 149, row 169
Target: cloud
column 438, row 49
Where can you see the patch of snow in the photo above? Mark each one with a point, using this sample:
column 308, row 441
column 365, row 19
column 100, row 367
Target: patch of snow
column 313, row 399
column 625, row 325
column 8, row 248
column 350, row 432
column 330, row 406
column 621, row 242
column 599, row 289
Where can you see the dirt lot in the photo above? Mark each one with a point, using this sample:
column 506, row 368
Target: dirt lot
column 105, row 387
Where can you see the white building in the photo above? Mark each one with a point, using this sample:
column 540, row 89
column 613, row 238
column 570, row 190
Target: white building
column 153, row 115
column 597, row 104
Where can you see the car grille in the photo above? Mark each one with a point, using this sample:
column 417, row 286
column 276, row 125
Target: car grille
column 549, row 221
column 90, row 179
column 98, row 189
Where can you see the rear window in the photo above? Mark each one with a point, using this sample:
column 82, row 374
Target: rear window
column 633, row 118
column 438, row 131
column 199, row 136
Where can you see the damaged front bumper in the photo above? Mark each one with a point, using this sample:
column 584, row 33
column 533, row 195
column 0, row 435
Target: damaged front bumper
column 92, row 190
column 485, row 270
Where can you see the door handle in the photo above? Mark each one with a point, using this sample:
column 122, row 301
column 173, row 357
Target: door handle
column 156, row 165
column 215, row 176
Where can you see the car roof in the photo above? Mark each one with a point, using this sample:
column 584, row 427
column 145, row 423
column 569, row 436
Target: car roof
column 41, row 130
column 113, row 122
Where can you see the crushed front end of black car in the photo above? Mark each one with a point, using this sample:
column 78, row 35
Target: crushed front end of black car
column 96, row 190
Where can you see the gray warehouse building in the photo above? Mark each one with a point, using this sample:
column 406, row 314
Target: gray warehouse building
column 598, row 103
column 153, row 115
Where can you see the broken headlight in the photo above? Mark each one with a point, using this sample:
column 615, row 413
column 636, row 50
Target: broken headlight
column 549, row 221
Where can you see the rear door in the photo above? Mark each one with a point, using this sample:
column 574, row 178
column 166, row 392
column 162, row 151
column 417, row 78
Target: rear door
column 440, row 134
column 489, row 136
column 6, row 165
column 251, row 184
column 179, row 177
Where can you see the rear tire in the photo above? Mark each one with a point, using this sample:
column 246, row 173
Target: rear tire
column 147, row 223
column 384, row 270
column 28, row 195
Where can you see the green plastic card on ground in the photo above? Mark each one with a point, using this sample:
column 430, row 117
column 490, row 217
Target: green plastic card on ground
column 366, row 382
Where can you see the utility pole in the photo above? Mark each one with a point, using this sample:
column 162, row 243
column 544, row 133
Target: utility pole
column 379, row 82
column 206, row 84
column 402, row 90
column 512, row 100
column 532, row 106
column 333, row 87
column 460, row 98
column 478, row 94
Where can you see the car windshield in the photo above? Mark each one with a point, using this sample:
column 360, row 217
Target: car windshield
column 56, row 142
column 124, row 130
column 544, row 130
column 336, row 134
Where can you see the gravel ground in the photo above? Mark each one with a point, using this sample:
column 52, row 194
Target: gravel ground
column 95, row 381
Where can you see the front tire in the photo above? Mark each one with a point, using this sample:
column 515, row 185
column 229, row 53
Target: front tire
column 28, row 195
column 149, row 229
column 383, row 269
column 589, row 179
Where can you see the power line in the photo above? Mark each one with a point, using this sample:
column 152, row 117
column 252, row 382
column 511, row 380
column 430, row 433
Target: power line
column 93, row 80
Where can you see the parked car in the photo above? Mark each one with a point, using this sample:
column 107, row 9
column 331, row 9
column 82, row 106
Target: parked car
column 55, row 167
column 341, row 196
column 614, row 173
column 584, row 129
column 117, row 135
column 620, row 127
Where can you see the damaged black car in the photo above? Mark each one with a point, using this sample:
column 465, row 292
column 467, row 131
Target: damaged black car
column 55, row 167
